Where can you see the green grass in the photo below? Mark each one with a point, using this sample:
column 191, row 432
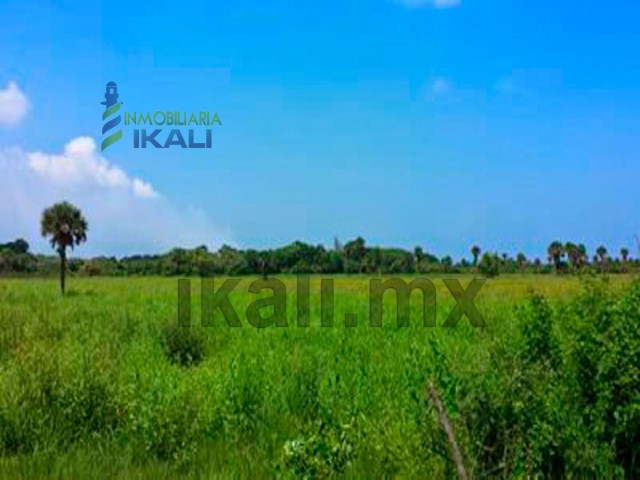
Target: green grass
column 100, row 384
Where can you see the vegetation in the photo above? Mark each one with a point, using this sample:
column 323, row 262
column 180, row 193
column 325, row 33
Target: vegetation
column 351, row 258
column 66, row 227
column 105, row 382
column 102, row 383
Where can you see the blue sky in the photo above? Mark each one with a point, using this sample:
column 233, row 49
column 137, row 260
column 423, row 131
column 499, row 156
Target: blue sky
column 442, row 124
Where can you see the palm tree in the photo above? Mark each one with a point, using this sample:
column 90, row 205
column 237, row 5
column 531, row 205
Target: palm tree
column 67, row 227
column 601, row 255
column 575, row 254
column 584, row 257
column 624, row 253
column 537, row 263
column 475, row 251
column 556, row 252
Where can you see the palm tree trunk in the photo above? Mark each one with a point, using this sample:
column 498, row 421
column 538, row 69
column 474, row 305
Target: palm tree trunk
column 63, row 269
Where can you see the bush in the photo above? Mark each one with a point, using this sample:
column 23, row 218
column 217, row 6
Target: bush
column 540, row 346
column 183, row 345
column 605, row 356
column 56, row 400
column 323, row 454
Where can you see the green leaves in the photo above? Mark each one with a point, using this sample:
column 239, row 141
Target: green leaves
column 64, row 224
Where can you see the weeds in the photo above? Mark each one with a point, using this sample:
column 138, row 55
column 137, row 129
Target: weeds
column 550, row 388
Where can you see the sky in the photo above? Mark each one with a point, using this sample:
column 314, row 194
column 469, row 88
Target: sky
column 439, row 123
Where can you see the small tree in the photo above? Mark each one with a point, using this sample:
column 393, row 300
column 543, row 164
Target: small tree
column 66, row 227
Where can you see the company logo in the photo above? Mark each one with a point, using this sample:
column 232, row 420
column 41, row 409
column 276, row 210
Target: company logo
column 110, row 117
column 186, row 131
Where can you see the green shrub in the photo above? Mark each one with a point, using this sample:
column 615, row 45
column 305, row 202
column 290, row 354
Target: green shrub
column 607, row 346
column 183, row 345
column 325, row 453
column 540, row 346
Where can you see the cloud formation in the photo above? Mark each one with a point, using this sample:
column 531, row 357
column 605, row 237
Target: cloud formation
column 81, row 165
column 126, row 214
column 14, row 105
column 429, row 3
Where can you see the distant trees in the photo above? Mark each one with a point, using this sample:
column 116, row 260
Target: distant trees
column 428, row 263
column 66, row 227
column 354, row 257
column 354, row 252
column 577, row 255
column 418, row 255
column 521, row 261
column 475, row 252
column 447, row 264
column 601, row 253
column 624, row 255
column 19, row 246
column 489, row 264
column 15, row 257
column 601, row 257
column 556, row 253
column 583, row 258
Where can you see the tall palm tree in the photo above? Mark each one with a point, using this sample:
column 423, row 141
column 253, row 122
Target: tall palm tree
column 475, row 251
column 66, row 227
column 624, row 253
column 584, row 257
column 556, row 252
column 601, row 255
column 575, row 254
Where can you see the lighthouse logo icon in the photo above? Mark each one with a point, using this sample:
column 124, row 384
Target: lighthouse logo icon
column 111, row 118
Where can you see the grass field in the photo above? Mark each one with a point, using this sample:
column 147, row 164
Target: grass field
column 103, row 382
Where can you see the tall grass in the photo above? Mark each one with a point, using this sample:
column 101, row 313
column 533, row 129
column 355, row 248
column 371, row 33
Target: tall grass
column 102, row 383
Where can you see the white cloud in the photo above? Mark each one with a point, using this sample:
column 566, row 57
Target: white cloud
column 429, row 3
column 14, row 105
column 143, row 189
column 126, row 215
column 440, row 86
column 80, row 164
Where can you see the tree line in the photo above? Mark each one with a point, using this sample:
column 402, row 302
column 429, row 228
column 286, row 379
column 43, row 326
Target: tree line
column 352, row 257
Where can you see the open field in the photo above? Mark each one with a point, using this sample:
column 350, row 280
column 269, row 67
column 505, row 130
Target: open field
column 102, row 381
